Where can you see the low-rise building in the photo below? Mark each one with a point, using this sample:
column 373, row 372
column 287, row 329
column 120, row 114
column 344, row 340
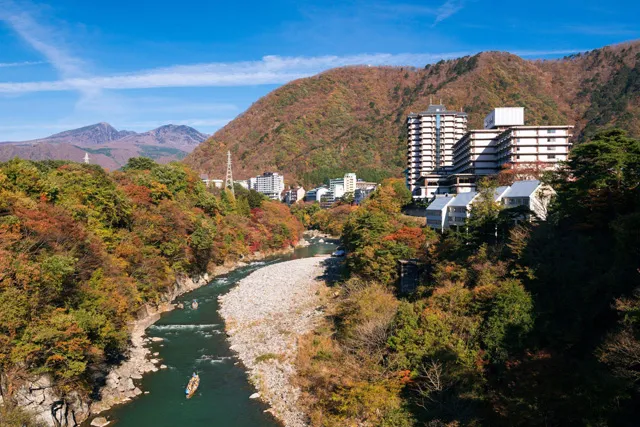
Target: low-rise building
column 437, row 217
column 532, row 195
column 315, row 195
column 294, row 195
column 459, row 208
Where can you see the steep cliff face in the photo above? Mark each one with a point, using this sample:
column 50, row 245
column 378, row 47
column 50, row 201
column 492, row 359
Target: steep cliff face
column 352, row 119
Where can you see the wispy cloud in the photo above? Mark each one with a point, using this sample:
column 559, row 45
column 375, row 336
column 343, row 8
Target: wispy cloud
column 45, row 40
column 447, row 9
column 20, row 64
column 268, row 70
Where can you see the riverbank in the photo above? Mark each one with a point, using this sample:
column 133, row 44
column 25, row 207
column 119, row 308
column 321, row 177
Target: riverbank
column 265, row 314
column 120, row 386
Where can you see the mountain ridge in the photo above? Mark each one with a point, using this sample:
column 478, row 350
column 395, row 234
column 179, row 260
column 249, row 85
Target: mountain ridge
column 107, row 146
column 352, row 118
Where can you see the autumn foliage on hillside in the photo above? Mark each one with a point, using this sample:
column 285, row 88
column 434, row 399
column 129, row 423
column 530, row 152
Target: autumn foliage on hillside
column 524, row 324
column 352, row 119
column 81, row 250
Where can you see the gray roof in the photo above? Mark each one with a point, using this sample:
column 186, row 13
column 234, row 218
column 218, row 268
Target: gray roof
column 439, row 203
column 463, row 199
column 500, row 191
column 523, row 188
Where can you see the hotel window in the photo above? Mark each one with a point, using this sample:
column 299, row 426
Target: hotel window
column 517, row 157
column 551, row 148
column 551, row 156
column 551, row 140
column 551, row 131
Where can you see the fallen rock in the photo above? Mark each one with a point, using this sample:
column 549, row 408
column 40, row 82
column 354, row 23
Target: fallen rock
column 157, row 339
column 254, row 396
column 163, row 366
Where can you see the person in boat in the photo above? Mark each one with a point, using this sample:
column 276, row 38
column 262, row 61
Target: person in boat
column 194, row 382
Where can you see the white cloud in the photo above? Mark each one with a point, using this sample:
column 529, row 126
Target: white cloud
column 45, row 40
column 269, row 70
column 20, row 64
column 447, row 9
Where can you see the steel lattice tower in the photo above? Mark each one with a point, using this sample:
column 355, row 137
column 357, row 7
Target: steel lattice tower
column 229, row 180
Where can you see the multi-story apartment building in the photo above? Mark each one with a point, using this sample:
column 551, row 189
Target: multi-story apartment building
column 533, row 146
column 507, row 143
column 270, row 184
column 431, row 135
column 475, row 152
column 350, row 181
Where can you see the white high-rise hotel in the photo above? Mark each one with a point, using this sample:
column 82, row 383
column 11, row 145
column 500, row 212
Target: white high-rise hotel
column 505, row 142
column 431, row 135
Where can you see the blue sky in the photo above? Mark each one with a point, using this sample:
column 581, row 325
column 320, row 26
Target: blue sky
column 140, row 64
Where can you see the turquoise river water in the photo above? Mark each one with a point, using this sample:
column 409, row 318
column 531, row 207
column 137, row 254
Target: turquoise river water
column 194, row 341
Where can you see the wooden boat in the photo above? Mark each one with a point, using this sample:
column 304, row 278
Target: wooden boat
column 194, row 382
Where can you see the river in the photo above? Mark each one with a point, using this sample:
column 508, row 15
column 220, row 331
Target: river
column 194, row 341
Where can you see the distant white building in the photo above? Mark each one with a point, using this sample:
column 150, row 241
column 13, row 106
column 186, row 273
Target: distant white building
column 294, row 195
column 315, row 195
column 271, row 184
column 350, row 181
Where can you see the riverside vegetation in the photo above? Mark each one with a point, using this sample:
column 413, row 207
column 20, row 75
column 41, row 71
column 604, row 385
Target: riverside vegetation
column 528, row 324
column 82, row 250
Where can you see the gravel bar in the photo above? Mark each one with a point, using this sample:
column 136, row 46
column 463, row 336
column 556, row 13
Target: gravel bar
column 264, row 315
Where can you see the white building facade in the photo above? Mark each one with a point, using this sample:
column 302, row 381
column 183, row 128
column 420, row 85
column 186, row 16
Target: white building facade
column 350, row 181
column 431, row 135
column 271, row 184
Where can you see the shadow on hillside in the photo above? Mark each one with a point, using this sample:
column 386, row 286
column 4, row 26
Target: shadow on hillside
column 334, row 271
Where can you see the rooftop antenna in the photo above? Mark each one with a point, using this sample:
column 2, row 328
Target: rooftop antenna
column 229, row 181
column 86, row 158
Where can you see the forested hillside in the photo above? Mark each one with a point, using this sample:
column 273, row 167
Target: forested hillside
column 81, row 250
column 512, row 324
column 352, row 119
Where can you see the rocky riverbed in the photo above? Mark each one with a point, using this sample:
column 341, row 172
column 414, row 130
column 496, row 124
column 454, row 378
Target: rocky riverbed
column 265, row 314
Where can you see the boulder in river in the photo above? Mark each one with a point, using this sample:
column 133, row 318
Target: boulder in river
column 100, row 422
column 254, row 396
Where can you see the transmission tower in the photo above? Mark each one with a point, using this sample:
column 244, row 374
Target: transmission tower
column 229, row 181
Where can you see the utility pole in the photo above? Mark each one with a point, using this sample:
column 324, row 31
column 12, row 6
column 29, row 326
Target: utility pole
column 229, row 180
